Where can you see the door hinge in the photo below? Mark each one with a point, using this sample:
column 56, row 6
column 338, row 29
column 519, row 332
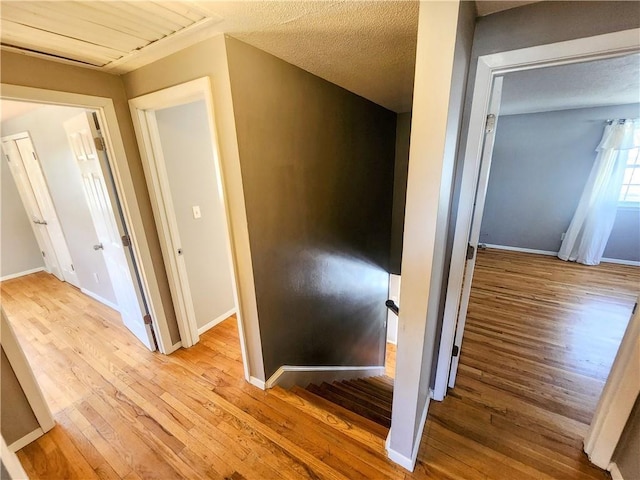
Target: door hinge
column 43, row 254
column 456, row 351
column 147, row 319
column 491, row 123
column 99, row 143
column 635, row 307
column 72, row 268
column 126, row 240
column 470, row 252
column 34, row 155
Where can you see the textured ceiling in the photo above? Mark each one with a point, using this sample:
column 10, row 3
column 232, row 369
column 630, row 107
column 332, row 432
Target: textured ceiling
column 614, row 81
column 487, row 7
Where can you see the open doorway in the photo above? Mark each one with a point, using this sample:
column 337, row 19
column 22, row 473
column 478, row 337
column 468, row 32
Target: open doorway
column 61, row 171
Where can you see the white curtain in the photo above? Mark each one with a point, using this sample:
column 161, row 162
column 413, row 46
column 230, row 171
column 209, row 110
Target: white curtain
column 591, row 225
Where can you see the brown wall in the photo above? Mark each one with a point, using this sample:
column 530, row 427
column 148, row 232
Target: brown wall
column 317, row 166
column 38, row 73
column 16, row 417
column 400, row 173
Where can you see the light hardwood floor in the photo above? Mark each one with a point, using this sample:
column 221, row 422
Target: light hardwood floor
column 124, row 412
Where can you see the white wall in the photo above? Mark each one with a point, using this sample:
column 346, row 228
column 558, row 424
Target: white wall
column 65, row 186
column 188, row 154
column 19, row 250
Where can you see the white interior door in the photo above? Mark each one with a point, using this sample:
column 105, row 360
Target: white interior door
column 34, row 193
column 81, row 132
column 476, row 222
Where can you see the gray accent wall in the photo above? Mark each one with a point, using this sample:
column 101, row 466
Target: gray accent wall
column 317, row 167
column 541, row 162
column 193, row 181
column 627, row 453
column 19, row 250
column 400, row 173
column 62, row 174
column 16, row 416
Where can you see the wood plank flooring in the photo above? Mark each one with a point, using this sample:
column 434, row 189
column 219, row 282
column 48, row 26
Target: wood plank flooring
column 124, row 412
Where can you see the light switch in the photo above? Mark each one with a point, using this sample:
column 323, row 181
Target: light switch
column 196, row 211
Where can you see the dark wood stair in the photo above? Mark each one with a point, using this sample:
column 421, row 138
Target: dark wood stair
column 370, row 398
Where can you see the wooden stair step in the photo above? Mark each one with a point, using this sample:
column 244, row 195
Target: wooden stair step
column 369, row 401
column 384, row 382
column 349, row 404
column 383, row 395
column 342, row 413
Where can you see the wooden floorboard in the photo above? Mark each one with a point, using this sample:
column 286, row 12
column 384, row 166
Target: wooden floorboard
column 531, row 370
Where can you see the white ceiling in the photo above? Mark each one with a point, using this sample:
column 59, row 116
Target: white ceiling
column 10, row 109
column 614, row 81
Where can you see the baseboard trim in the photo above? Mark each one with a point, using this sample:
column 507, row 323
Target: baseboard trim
column 400, row 459
column 256, row 382
column 631, row 263
column 289, row 375
column 11, row 276
column 26, row 440
column 216, row 321
column 173, row 348
column 98, row 298
column 616, row 474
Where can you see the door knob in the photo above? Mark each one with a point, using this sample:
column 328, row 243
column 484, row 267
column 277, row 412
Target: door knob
column 98, row 247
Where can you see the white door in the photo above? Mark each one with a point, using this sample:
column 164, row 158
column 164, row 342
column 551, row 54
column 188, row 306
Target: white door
column 81, row 132
column 34, row 192
column 476, row 222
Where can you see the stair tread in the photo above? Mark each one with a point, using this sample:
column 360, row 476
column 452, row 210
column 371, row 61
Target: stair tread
column 378, row 381
column 371, row 389
column 343, row 413
column 349, row 404
column 365, row 399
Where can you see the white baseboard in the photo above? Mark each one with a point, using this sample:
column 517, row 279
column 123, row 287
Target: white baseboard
column 26, row 440
column 256, row 382
column 98, row 298
column 216, row 321
column 21, row 274
column 616, row 474
column 522, row 250
column 288, row 375
column 632, row 263
column 400, row 459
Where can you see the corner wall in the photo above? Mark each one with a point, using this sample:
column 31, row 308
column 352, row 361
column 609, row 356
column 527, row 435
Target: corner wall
column 317, row 168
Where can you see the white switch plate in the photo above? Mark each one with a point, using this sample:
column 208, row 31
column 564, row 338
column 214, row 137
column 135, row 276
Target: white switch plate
column 196, row 211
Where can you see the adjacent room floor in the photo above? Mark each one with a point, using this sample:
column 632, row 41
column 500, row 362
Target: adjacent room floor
column 540, row 340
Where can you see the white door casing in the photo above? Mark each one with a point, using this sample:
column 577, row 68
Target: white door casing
column 81, row 133
column 488, row 67
column 34, row 192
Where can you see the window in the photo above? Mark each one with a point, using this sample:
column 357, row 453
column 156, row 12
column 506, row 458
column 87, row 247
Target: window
column 630, row 191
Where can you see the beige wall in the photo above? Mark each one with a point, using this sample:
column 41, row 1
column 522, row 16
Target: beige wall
column 37, row 73
column 627, row 454
column 209, row 59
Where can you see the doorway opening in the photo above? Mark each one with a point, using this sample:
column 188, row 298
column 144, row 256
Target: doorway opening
column 60, row 169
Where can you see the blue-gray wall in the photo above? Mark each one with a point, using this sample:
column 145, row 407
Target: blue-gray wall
column 540, row 165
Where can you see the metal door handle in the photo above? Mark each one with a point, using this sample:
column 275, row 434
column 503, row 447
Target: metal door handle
column 98, row 247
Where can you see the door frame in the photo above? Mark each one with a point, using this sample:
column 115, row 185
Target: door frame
column 124, row 187
column 143, row 113
column 489, row 66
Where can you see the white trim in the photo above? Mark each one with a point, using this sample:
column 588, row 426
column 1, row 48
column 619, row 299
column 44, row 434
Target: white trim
column 617, row 399
column 24, row 374
column 11, row 463
column 124, row 188
column 632, row 263
column 406, row 462
column 199, row 89
column 216, row 321
column 256, row 382
column 289, row 375
column 489, row 66
column 173, row 348
column 616, row 474
column 26, row 440
column 11, row 276
column 98, row 298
